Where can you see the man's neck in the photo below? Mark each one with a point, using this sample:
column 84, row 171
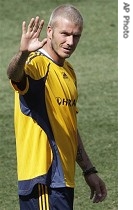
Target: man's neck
column 52, row 55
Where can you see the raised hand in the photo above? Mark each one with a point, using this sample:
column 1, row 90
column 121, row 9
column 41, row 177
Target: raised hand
column 30, row 35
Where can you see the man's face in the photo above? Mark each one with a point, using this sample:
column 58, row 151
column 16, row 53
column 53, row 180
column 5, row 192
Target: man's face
column 64, row 37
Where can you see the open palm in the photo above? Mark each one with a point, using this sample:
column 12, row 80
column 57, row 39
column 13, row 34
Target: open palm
column 30, row 35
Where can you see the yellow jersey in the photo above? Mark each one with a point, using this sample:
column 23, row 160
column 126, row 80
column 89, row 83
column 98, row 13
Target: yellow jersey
column 46, row 124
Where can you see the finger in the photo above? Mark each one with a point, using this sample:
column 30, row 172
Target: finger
column 98, row 194
column 40, row 26
column 36, row 24
column 102, row 198
column 103, row 191
column 92, row 193
column 31, row 24
column 97, row 198
column 24, row 27
column 43, row 42
column 104, row 195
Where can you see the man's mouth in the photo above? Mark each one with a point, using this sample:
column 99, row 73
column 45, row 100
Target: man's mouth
column 67, row 50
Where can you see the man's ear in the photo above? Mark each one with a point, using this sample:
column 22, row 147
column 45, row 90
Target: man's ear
column 49, row 32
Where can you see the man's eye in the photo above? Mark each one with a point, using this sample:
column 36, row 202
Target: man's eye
column 64, row 34
column 77, row 36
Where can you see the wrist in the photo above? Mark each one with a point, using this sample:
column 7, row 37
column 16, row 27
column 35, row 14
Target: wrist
column 89, row 171
column 24, row 52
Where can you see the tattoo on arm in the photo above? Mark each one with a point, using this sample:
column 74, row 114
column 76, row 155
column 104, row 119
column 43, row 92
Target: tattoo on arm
column 83, row 159
column 15, row 69
column 79, row 155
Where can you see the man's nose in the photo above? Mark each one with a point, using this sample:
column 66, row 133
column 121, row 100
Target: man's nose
column 70, row 40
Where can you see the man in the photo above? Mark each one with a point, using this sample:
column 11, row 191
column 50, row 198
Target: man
column 47, row 140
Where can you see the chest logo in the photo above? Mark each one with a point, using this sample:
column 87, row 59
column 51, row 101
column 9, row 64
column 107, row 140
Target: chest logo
column 65, row 75
column 66, row 101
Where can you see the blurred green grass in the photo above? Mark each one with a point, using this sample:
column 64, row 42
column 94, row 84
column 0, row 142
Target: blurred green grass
column 95, row 63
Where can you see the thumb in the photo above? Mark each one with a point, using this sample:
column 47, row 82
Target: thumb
column 44, row 41
column 92, row 193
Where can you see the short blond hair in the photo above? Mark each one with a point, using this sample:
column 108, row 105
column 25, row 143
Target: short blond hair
column 68, row 12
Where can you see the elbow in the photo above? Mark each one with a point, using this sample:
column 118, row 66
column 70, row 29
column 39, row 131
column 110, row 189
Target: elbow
column 9, row 75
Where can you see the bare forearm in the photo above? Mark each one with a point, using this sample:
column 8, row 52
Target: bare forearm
column 15, row 69
column 82, row 157
column 29, row 43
